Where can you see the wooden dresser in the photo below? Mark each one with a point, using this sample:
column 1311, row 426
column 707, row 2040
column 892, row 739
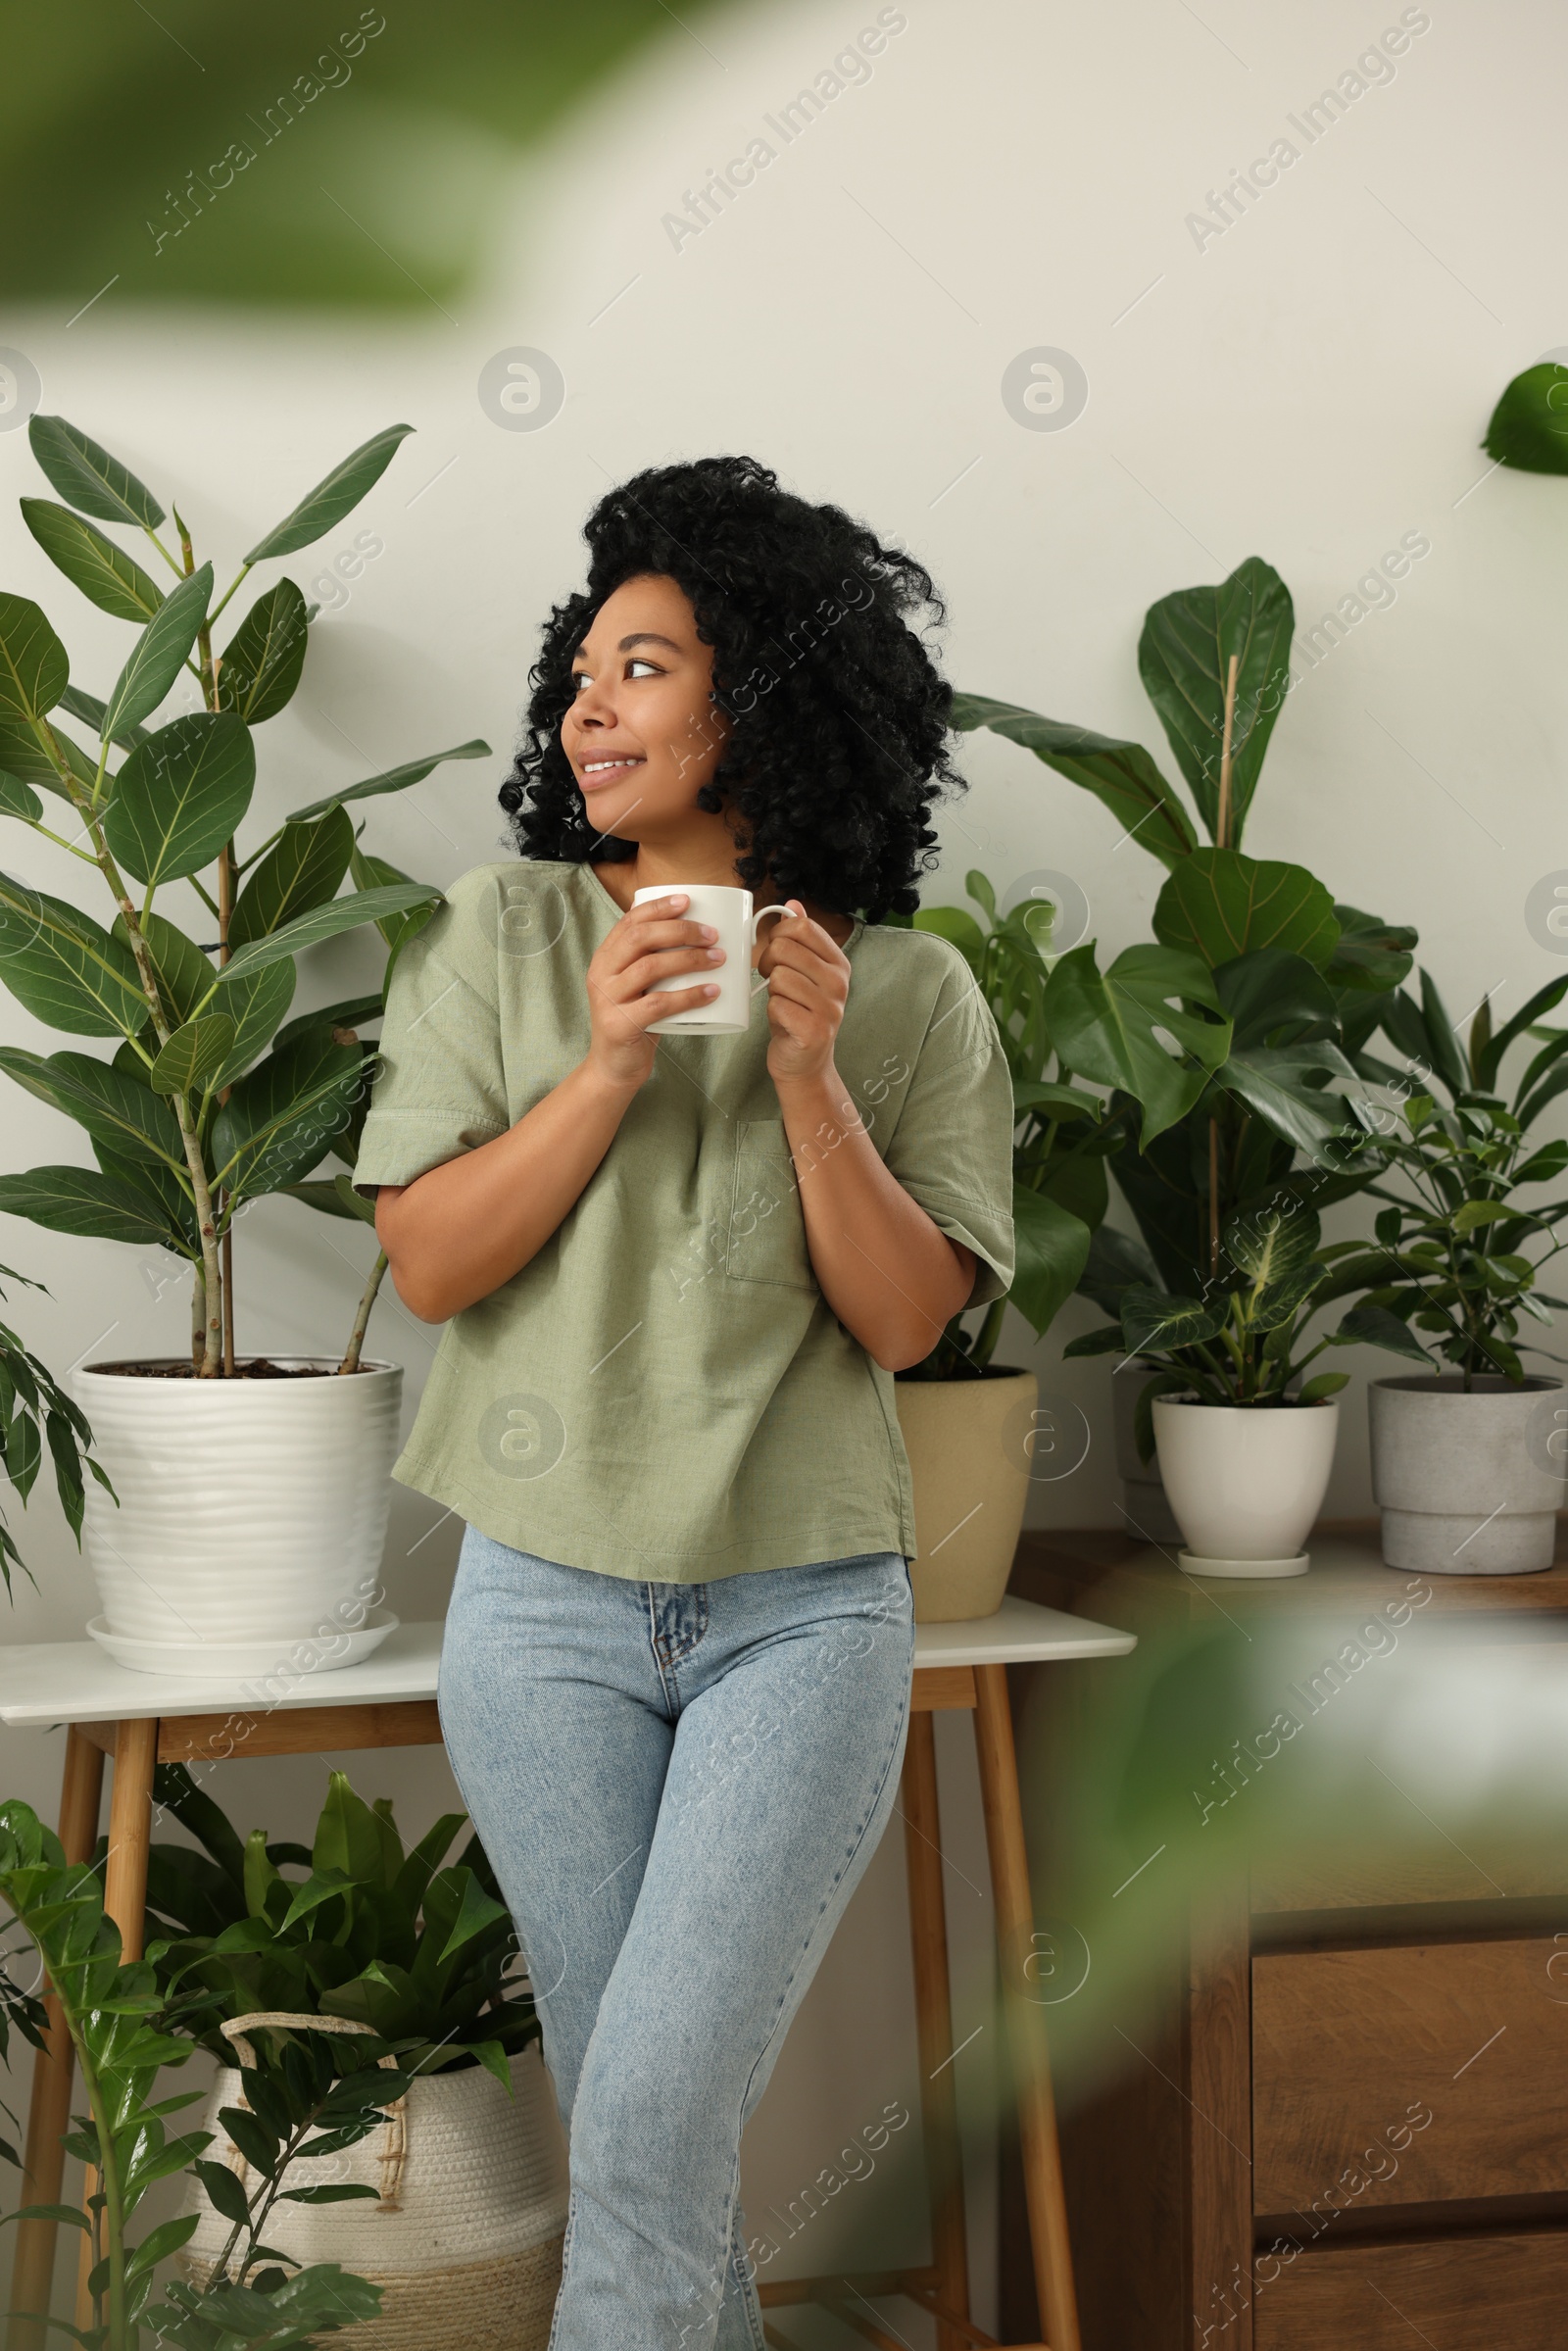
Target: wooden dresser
column 1251, row 2171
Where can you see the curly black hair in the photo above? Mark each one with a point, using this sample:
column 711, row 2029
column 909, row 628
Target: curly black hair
column 839, row 717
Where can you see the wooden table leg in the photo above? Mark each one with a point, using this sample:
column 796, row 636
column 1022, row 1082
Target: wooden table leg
column 1026, row 2027
column 933, row 2016
column 49, row 2115
column 131, row 1834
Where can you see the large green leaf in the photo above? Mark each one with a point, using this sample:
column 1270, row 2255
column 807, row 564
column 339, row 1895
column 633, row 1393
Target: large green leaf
column 68, row 972
column 105, row 574
column 1370, row 955
column 92, row 712
column 1268, row 989
column 115, row 1107
column 262, row 660
column 85, row 1202
column 179, row 796
column 1274, row 1083
column 1184, row 658
column 1528, row 425
column 182, row 972
column 194, row 1056
column 325, row 922
column 375, row 874
column 88, row 478
column 18, row 798
column 332, row 498
column 1271, row 1240
column 1222, row 904
column 1104, row 1026
column 304, row 868
column 160, row 652
column 257, row 1006
column 278, row 1121
column 33, row 668
column 1053, row 1250
column 1152, row 1322
column 23, row 754
column 392, row 779
column 1374, row 1326
column 1120, row 774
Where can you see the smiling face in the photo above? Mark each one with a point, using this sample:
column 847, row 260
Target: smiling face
column 642, row 732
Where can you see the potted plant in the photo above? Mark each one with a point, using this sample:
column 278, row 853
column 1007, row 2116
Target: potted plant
column 1245, row 1440
column 1071, row 1034
column 469, row 2177
column 1468, row 1462
column 252, row 1494
column 320, row 2101
column 1297, row 978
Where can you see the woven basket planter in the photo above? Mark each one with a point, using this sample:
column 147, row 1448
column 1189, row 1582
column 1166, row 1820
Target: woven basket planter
column 465, row 2238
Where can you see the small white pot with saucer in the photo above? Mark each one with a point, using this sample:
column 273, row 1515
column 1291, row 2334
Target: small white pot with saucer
column 1245, row 1481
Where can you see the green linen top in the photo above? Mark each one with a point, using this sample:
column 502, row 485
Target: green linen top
column 663, row 1391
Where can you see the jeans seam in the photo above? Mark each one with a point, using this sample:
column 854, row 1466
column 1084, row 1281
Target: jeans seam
column 898, row 1729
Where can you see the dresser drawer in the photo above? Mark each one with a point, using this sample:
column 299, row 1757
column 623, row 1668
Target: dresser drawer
column 1409, row 2075
column 1476, row 2293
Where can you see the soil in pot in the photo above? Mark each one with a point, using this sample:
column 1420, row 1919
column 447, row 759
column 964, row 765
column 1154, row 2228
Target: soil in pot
column 969, row 1445
column 256, row 1367
column 1468, row 1481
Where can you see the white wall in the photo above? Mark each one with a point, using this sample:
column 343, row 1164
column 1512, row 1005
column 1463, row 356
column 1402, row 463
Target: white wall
column 1308, row 385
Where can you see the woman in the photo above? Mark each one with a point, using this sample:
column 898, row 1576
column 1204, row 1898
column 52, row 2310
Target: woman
column 680, row 1273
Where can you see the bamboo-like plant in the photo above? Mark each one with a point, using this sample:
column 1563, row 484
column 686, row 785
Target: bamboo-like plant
column 213, row 1096
column 317, row 2098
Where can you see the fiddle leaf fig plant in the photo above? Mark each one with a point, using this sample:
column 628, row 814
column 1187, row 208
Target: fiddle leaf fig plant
column 1298, row 979
column 1088, row 1055
column 213, row 1098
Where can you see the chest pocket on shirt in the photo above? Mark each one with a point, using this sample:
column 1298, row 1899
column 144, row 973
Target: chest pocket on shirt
column 767, row 1230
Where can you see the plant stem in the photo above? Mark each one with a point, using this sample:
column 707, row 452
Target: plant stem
column 198, row 1317
column 147, row 974
column 1223, row 829
column 1214, row 1199
column 368, row 1298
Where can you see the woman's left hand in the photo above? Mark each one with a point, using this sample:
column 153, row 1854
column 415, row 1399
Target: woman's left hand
column 807, row 986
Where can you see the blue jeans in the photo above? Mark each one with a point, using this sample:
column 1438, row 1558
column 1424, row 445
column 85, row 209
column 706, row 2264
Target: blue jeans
column 679, row 1786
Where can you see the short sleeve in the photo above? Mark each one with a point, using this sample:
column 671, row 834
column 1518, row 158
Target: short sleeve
column 952, row 1149
column 441, row 1087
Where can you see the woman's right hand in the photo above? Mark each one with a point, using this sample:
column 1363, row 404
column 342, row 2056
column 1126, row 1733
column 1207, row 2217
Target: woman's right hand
column 650, row 943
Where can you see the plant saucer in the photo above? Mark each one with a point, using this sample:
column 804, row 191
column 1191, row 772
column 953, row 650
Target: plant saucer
column 323, row 1652
column 1195, row 1566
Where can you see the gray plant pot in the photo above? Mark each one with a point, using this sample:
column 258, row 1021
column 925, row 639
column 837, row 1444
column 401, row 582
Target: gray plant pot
column 1469, row 1485
column 1145, row 1505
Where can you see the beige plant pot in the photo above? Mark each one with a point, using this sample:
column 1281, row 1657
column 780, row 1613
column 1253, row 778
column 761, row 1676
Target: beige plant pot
column 969, row 1445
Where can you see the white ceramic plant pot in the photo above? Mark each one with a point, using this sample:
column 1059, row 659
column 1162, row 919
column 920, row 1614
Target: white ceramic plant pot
column 465, row 2238
column 1469, row 1485
column 1144, row 1503
column 1245, row 1482
column 252, row 1513
column 968, row 1447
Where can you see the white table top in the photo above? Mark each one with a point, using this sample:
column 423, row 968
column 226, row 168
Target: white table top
column 77, row 1681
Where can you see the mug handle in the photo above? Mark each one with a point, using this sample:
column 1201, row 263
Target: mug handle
column 762, row 915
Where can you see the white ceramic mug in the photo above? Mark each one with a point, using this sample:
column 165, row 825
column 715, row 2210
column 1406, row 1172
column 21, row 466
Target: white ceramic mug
column 729, row 911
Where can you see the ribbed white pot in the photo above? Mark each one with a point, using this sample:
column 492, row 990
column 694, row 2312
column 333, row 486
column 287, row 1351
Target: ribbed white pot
column 465, row 2238
column 248, row 1509
column 1245, row 1482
